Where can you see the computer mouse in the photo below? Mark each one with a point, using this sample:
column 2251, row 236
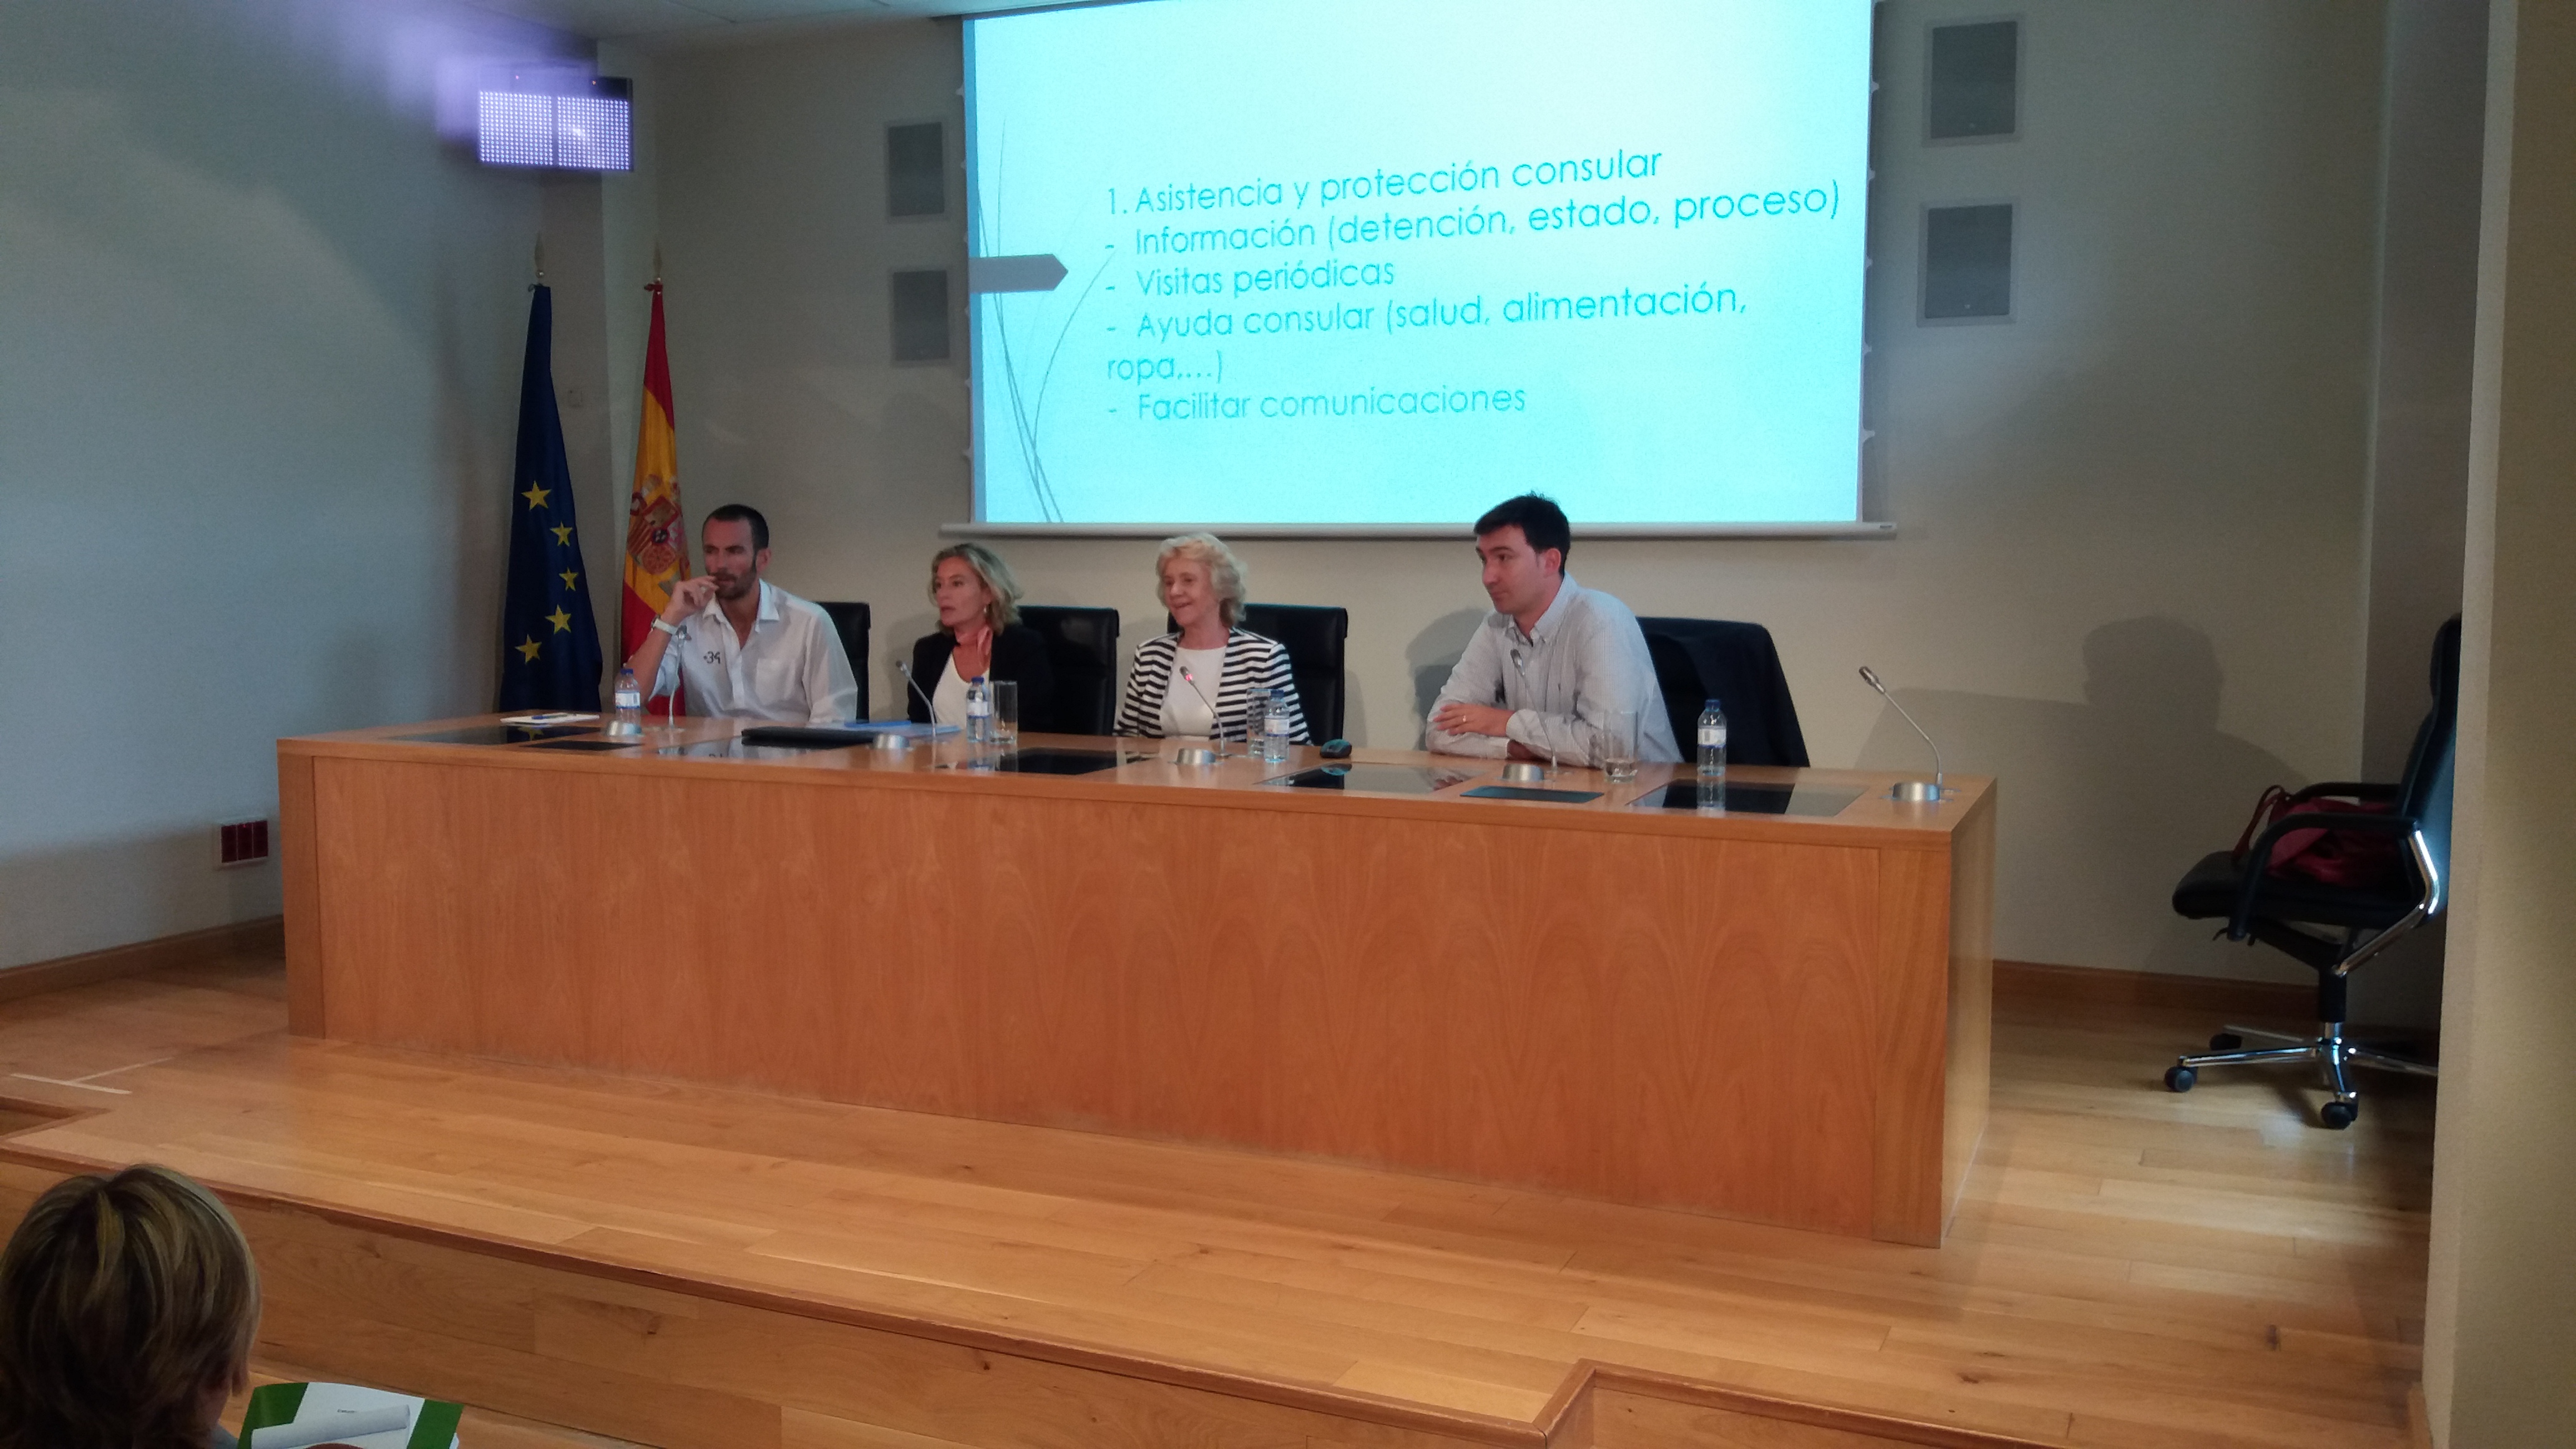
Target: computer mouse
column 1335, row 749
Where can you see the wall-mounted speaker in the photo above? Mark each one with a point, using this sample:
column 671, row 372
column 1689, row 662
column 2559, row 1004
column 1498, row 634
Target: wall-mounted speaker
column 917, row 315
column 1967, row 263
column 917, row 169
column 1972, row 82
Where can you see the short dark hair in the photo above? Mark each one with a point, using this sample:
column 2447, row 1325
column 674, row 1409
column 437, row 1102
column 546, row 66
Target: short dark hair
column 123, row 1301
column 742, row 513
column 1537, row 517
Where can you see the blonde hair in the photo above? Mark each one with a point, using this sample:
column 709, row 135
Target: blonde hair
column 124, row 1301
column 1002, row 610
column 1225, row 571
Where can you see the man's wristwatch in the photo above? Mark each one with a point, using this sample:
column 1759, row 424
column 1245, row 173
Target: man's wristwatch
column 665, row 626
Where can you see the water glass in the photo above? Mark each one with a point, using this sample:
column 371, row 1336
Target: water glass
column 1619, row 745
column 1006, row 713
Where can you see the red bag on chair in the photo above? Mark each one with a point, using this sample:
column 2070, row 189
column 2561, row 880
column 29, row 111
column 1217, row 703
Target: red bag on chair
column 2356, row 859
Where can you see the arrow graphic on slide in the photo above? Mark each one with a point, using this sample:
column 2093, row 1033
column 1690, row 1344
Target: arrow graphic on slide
column 1038, row 273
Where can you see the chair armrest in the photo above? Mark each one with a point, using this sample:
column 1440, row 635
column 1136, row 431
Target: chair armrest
column 2347, row 790
column 2250, row 894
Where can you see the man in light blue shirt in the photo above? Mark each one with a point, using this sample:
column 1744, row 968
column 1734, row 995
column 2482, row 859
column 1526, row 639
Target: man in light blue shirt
column 1543, row 672
column 747, row 648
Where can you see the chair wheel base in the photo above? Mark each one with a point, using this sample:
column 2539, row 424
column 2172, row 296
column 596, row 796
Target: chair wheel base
column 2179, row 1079
column 2338, row 1114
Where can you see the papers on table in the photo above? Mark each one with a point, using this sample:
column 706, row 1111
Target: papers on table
column 297, row 1416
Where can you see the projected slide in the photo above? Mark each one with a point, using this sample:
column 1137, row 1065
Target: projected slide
column 1390, row 261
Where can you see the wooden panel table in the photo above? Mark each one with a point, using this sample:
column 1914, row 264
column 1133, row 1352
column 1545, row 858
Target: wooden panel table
column 1778, row 1017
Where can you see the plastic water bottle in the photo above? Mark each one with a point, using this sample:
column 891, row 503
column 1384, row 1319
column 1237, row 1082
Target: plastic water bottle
column 1274, row 728
column 1712, row 742
column 979, row 712
column 629, row 719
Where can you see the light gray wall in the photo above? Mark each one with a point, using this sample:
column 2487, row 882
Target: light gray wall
column 259, row 363
column 2432, row 120
column 2129, row 577
column 2434, row 114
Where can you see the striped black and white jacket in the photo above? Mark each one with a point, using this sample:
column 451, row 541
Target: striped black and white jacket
column 1251, row 662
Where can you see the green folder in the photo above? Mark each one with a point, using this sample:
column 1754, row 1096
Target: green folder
column 275, row 1406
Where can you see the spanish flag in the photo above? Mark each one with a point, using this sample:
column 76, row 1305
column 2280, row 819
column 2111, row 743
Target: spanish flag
column 657, row 536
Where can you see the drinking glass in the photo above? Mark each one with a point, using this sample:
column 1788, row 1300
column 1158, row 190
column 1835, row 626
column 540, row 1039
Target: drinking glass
column 1619, row 745
column 1006, row 713
column 1256, row 718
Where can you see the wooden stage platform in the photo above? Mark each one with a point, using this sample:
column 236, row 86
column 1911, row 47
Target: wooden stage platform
column 679, row 1265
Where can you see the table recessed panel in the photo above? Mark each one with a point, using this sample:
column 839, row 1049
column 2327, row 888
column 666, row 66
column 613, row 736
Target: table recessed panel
column 732, row 749
column 493, row 734
column 805, row 737
column 1373, row 779
column 1056, row 762
column 1819, row 801
column 1532, row 794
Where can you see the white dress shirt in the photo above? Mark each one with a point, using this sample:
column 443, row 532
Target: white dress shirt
column 792, row 670
column 1585, row 657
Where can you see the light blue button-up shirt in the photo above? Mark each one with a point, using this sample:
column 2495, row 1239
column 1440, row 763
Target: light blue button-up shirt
column 1585, row 657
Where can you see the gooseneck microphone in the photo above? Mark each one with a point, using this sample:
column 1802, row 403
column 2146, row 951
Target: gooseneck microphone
column 1520, row 666
column 1914, row 790
column 929, row 711
column 1216, row 721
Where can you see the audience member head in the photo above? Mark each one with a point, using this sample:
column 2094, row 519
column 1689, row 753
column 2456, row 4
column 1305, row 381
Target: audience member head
column 734, row 542
column 968, row 583
column 1197, row 573
column 1522, row 543
column 127, row 1309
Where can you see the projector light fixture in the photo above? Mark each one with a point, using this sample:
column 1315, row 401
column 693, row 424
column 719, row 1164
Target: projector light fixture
column 555, row 117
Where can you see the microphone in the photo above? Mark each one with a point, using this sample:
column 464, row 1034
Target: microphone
column 1216, row 721
column 1520, row 666
column 929, row 712
column 1910, row 790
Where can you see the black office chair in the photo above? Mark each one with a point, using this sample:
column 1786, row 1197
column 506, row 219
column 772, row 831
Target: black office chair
column 1082, row 644
column 1697, row 660
column 1313, row 635
column 850, row 621
column 2288, row 913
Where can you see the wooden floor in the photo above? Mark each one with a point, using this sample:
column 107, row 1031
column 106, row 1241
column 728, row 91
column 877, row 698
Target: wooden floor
column 2130, row 1268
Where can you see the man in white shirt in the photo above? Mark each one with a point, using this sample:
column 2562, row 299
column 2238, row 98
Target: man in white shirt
column 1543, row 672
column 746, row 648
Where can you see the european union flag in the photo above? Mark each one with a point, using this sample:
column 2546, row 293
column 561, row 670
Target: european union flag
column 550, row 647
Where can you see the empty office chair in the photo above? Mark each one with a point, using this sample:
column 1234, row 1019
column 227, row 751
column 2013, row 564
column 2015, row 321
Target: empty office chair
column 850, row 621
column 2335, row 928
column 1736, row 664
column 1313, row 635
column 1082, row 644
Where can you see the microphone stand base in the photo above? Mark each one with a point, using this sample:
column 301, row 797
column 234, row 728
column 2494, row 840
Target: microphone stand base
column 1919, row 792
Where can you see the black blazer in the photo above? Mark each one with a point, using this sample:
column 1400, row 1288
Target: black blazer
column 1019, row 655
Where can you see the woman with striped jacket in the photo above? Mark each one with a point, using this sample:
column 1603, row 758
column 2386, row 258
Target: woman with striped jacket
column 1199, row 682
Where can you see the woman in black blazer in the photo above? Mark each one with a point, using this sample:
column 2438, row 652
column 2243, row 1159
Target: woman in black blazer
column 979, row 633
